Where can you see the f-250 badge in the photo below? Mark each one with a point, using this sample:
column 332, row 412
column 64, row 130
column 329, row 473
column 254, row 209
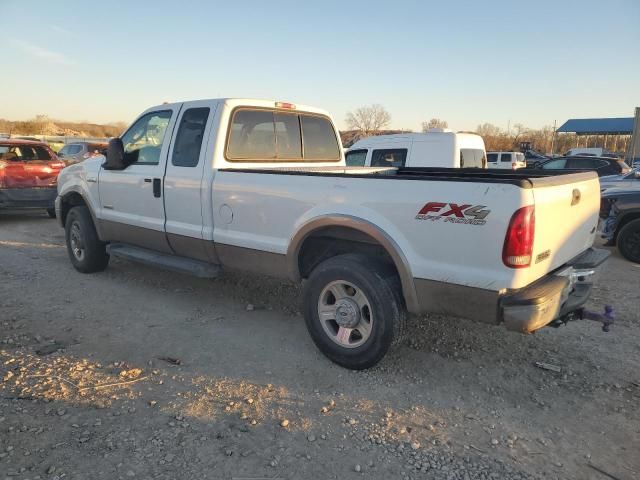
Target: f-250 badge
column 453, row 213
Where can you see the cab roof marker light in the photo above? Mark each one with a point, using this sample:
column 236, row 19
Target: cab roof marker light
column 285, row 105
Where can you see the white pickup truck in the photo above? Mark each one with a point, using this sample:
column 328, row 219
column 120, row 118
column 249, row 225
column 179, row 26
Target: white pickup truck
column 261, row 186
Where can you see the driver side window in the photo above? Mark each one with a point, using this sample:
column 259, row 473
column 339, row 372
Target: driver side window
column 143, row 141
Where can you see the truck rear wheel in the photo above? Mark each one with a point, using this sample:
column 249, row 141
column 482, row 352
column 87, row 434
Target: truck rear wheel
column 86, row 252
column 354, row 309
column 629, row 241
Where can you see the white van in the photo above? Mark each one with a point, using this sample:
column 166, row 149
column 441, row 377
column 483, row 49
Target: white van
column 435, row 148
column 511, row 160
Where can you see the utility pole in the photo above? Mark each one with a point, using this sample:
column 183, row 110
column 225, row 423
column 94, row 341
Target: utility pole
column 553, row 138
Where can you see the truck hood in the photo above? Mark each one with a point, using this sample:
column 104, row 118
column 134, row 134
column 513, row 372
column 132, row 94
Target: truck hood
column 620, row 191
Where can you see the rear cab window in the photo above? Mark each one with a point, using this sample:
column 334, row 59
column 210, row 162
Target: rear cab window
column 505, row 157
column 273, row 135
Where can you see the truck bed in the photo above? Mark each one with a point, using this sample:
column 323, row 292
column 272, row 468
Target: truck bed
column 268, row 210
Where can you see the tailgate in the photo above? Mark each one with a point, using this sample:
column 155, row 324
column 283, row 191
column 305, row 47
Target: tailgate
column 566, row 211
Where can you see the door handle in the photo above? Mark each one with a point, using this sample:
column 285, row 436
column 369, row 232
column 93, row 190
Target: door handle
column 147, row 180
column 157, row 187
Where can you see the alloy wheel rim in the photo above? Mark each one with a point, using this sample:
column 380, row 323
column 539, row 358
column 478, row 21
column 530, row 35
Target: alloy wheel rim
column 75, row 238
column 345, row 314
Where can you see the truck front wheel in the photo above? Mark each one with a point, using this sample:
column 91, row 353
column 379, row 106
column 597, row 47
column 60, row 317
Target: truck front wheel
column 354, row 309
column 629, row 241
column 86, row 252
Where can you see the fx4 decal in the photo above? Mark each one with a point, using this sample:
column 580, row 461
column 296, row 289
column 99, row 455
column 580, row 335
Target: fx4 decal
column 454, row 213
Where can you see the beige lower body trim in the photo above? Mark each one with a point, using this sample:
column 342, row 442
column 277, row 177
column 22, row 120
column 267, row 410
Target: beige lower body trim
column 457, row 300
column 195, row 248
column 132, row 235
column 255, row 261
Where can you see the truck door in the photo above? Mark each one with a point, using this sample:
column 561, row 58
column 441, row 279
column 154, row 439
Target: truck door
column 131, row 203
column 190, row 153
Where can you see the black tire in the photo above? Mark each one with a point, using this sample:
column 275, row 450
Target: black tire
column 628, row 241
column 385, row 309
column 51, row 212
column 87, row 253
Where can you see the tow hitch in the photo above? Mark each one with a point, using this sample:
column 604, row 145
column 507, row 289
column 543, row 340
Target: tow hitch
column 607, row 318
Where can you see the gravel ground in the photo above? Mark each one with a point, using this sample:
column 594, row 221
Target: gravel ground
column 140, row 373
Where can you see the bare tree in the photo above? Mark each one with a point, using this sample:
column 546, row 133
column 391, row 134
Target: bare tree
column 434, row 123
column 368, row 119
column 488, row 130
column 520, row 130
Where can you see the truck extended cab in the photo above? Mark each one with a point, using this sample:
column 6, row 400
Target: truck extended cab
column 262, row 186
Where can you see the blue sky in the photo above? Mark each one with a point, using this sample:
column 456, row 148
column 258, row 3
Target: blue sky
column 467, row 62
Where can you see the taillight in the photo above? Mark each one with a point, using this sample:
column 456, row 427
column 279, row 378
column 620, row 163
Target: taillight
column 518, row 243
column 513, row 166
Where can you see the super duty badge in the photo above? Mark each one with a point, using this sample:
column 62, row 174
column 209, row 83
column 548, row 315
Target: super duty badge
column 453, row 213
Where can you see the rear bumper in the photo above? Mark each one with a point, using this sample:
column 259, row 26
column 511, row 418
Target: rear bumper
column 553, row 296
column 42, row 197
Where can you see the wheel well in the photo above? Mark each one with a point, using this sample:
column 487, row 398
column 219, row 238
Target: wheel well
column 69, row 201
column 328, row 242
column 626, row 219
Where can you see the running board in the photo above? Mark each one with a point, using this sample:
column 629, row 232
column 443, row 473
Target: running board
column 174, row 263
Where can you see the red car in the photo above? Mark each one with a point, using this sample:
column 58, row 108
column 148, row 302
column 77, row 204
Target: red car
column 28, row 175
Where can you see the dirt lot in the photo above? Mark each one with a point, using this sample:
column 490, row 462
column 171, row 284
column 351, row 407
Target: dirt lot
column 90, row 388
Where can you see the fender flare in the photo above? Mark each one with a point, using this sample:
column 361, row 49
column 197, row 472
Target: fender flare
column 383, row 238
column 84, row 195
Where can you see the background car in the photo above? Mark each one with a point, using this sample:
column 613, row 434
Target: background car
column 602, row 165
column 533, row 157
column 28, row 175
column 627, row 180
column 509, row 160
column 620, row 212
column 78, row 151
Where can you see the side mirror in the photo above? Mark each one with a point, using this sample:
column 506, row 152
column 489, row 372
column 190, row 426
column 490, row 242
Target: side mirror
column 115, row 155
